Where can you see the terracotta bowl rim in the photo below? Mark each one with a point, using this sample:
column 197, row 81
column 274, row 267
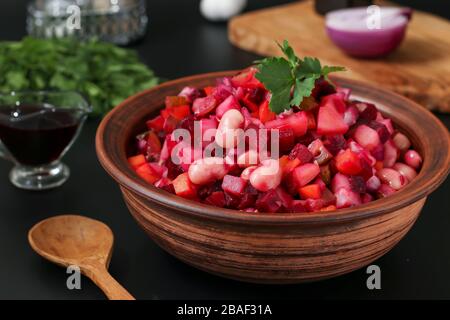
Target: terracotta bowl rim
column 425, row 182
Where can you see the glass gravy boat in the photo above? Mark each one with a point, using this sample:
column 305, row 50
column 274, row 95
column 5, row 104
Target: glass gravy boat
column 36, row 130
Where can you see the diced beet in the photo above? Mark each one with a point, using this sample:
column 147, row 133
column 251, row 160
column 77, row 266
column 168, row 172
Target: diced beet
column 202, row 106
column 228, row 104
column 366, row 169
column 305, row 173
column 320, row 182
column 268, row 202
column 284, row 197
column 328, row 197
column 232, row 202
column 217, row 198
column 378, row 152
column 366, row 137
column 366, row 197
column 247, row 201
column 302, row 153
column 357, row 184
column 314, row 204
column 286, row 139
column 168, row 188
column 384, row 190
column 391, row 154
column 173, row 170
column 322, row 88
column 381, row 130
column 340, row 181
column 233, row 185
column 346, row 198
column 298, row 206
column 329, row 121
column 335, row 143
column 388, row 124
column 256, row 95
column 348, row 162
column 205, row 190
column 188, row 124
column 309, row 137
column 334, row 100
column 368, row 111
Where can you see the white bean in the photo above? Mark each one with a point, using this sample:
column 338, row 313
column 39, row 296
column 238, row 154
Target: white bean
column 249, row 158
column 207, row 170
column 247, row 172
column 227, row 133
column 401, row 141
column 392, row 178
column 405, row 170
column 267, row 176
column 413, row 159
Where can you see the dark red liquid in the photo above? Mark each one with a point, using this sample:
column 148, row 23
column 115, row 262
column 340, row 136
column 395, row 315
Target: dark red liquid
column 38, row 134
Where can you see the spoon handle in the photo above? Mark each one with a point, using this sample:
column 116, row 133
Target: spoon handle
column 113, row 289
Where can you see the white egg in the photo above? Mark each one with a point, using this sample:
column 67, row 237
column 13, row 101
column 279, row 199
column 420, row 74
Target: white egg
column 221, row 10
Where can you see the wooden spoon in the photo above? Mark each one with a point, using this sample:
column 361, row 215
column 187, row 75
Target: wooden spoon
column 75, row 240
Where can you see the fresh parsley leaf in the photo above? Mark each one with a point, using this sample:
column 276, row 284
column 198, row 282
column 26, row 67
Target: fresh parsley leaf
column 276, row 75
column 290, row 79
column 289, row 53
column 303, row 88
column 326, row 70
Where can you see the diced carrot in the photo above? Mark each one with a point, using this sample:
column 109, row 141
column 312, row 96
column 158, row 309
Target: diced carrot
column 175, row 101
column 136, row 161
column 312, row 191
column 184, row 187
column 154, row 144
column 156, row 123
column 208, row 90
column 147, row 173
column 265, row 114
column 180, row 112
column 378, row 165
column 291, row 165
column 329, row 208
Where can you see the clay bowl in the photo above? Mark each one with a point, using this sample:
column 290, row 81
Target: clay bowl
column 273, row 248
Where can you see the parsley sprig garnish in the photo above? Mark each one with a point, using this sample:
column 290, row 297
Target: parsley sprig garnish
column 291, row 79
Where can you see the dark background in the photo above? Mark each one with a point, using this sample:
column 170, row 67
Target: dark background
column 180, row 42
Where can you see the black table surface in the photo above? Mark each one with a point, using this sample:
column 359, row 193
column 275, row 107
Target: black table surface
column 179, row 42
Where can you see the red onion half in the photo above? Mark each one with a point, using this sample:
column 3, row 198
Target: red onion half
column 349, row 30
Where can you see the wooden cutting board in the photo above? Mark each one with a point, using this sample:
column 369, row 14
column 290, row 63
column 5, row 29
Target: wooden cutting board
column 419, row 68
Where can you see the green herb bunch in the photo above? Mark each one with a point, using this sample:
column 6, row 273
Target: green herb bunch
column 104, row 73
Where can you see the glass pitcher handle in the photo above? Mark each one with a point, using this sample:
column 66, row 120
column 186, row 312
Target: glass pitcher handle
column 3, row 153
